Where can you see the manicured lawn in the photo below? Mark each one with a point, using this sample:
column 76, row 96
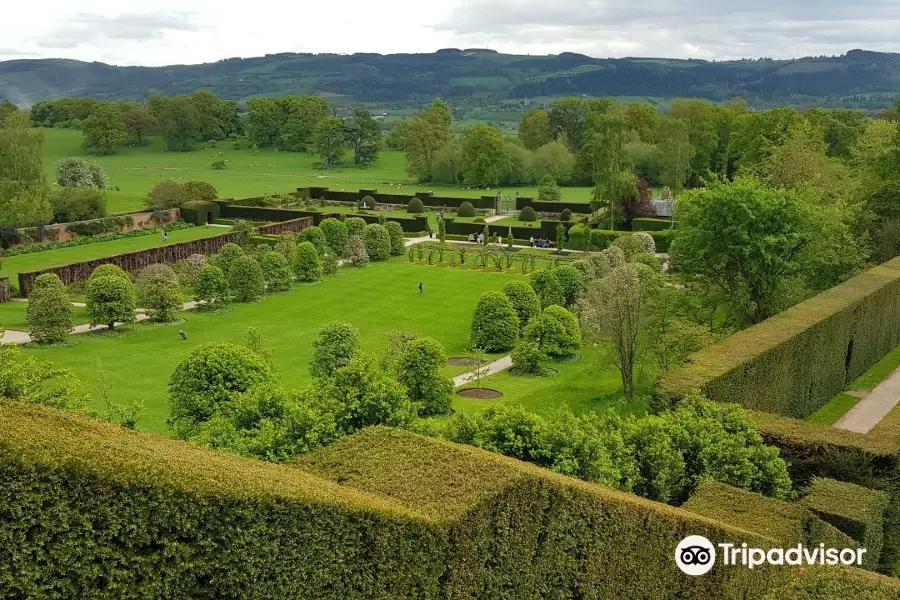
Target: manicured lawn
column 377, row 299
column 12, row 315
column 834, row 409
column 13, row 265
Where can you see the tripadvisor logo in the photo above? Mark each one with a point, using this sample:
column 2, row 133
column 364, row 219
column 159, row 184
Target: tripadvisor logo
column 696, row 555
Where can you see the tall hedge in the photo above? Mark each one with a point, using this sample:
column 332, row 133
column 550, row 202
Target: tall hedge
column 794, row 362
column 307, row 266
column 398, row 242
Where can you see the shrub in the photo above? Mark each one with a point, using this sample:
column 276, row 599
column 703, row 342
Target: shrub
column 211, row 375
column 167, row 193
column 647, row 240
column 571, row 281
column 335, row 233
column 367, row 202
column 415, row 206
column 571, row 342
column 74, row 172
column 111, row 271
column 316, row 237
column 528, row 358
column 419, row 369
column 398, row 242
column 355, row 252
column 335, row 346
column 495, row 326
column 527, row 214
column 246, row 281
column 277, row 272
column 364, row 396
column 377, row 242
column 355, row 226
column 547, row 288
column 218, row 165
column 187, row 269
column 110, row 299
column 49, row 313
column 199, row 191
column 306, row 265
column 565, row 215
column 98, row 176
column 226, row 255
column 210, row 286
column 287, row 246
column 547, row 333
column 524, row 300
column 631, row 245
column 548, row 191
column 329, row 263
column 159, row 292
column 466, row 210
column 77, row 204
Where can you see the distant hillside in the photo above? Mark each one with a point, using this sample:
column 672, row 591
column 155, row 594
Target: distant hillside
column 858, row 79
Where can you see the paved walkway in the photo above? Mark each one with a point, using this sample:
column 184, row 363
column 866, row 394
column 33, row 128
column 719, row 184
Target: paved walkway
column 869, row 411
column 498, row 365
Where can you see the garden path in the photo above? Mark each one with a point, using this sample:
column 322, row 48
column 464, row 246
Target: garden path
column 869, row 411
column 498, row 365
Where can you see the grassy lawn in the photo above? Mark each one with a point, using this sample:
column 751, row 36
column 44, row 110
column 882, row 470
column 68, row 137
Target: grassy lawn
column 134, row 170
column 13, row 265
column 377, row 299
column 833, row 410
column 12, row 315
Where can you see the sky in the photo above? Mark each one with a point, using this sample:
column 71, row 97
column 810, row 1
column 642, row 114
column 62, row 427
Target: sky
column 167, row 32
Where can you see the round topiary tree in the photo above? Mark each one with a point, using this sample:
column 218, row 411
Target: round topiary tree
column 287, row 246
column 565, row 215
column 419, row 370
column 630, row 245
column 329, row 263
column 368, row 202
column 647, row 240
column 524, row 300
column 316, row 236
column 277, row 272
column 547, row 333
column 378, row 242
column 335, row 233
column 527, row 214
column 111, row 271
column 245, row 279
column 159, row 292
column 571, row 281
column 547, row 288
column 226, row 255
column 355, row 252
column 415, row 206
column 466, row 210
column 495, row 326
column 356, row 226
column 398, row 242
column 50, row 313
column 334, row 347
column 110, row 299
column 210, row 286
column 306, row 265
column 529, row 359
column 571, row 342
column 210, row 376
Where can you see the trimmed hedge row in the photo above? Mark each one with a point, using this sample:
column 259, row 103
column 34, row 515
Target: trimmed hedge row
column 201, row 212
column 601, row 238
column 427, row 198
column 650, row 224
column 582, row 208
column 278, row 215
column 855, row 510
column 547, row 229
column 794, row 362
column 286, row 226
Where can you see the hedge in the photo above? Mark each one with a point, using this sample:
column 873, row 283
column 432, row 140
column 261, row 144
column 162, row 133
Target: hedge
column 601, row 238
column 427, row 198
column 789, row 523
column 198, row 212
column 277, row 215
column 286, row 226
column 582, row 208
column 855, row 510
column 650, row 224
column 85, row 240
column 794, row 362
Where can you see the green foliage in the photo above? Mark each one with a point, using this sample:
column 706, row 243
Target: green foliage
column 335, row 346
column 210, row 285
column 363, row 396
column 158, row 292
column 287, row 246
column 571, row 282
column 27, row 379
column 566, row 215
column 110, row 299
column 104, row 129
column 179, row 123
column 336, row 234
column 363, row 134
column 110, row 270
column 306, row 264
column 570, row 342
column 330, row 263
column 75, row 172
column 218, row 165
column 547, row 334
column 167, row 193
column 199, row 191
column 355, row 226
column 246, row 280
column 328, row 140
column 211, row 375
column 277, row 272
column 528, row 358
column 631, row 246
column 419, row 368
column 647, row 240
column 548, row 191
column 547, row 288
column 226, row 256
column 77, row 204
column 50, row 313
column 527, row 214
column 398, row 242
column 485, row 158
column 524, row 300
column 466, row 210
column 355, row 251
column 495, row 325
column 316, row 236
column 415, row 206
column 377, row 242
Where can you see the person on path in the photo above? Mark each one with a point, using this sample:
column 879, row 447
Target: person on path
column 182, row 334
column 165, row 236
column 420, row 287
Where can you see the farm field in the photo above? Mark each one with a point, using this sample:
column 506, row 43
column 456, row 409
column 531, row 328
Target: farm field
column 134, row 170
column 13, row 265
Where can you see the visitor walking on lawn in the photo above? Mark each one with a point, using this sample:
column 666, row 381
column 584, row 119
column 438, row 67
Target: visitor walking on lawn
column 420, row 287
column 165, row 236
column 182, row 333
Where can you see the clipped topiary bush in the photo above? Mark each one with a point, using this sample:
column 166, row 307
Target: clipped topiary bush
column 565, row 215
column 528, row 358
column 419, row 368
column 306, row 265
column 571, row 341
column 527, row 214
column 466, row 210
column 367, row 202
column 631, row 245
column 158, row 291
column 336, row 344
column 647, row 240
column 355, row 252
column 110, row 270
column 398, row 242
column 571, row 281
column 110, row 299
column 246, row 281
column 287, row 246
column 524, row 300
column 336, row 234
column 547, row 288
column 210, row 286
column 277, row 272
column 316, row 236
column 226, row 255
column 377, row 242
column 50, row 313
column 355, row 226
column 329, row 263
column 415, row 206
column 495, row 325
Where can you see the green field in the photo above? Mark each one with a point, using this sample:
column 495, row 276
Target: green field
column 12, row 315
column 134, row 170
column 378, row 299
column 14, row 265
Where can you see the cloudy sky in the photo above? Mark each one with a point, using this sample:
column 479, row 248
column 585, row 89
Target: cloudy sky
column 192, row 31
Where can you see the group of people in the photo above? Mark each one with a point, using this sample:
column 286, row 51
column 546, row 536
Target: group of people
column 541, row 243
column 478, row 238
